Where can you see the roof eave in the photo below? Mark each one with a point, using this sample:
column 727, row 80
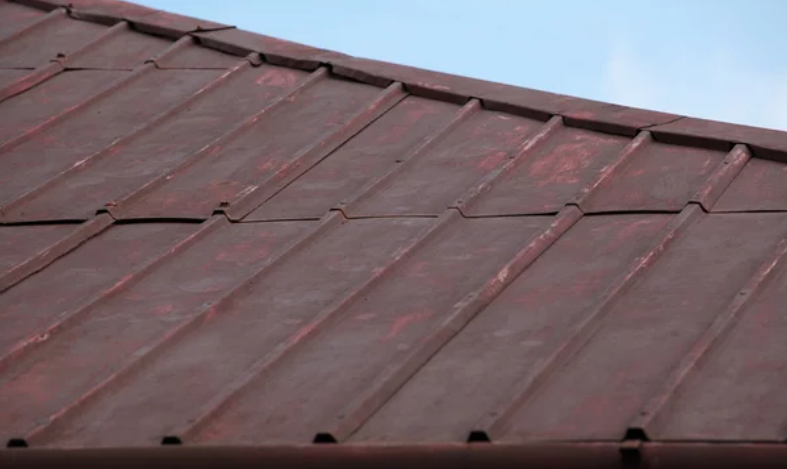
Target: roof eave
column 562, row 455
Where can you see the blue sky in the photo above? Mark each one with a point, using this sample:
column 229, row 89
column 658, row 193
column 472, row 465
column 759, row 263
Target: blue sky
column 717, row 59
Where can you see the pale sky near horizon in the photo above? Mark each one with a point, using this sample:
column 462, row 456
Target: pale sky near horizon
column 716, row 59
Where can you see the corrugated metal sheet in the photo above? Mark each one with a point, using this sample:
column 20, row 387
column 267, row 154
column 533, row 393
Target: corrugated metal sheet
column 220, row 238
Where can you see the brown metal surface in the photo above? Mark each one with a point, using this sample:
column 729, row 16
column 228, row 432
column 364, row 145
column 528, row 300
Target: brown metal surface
column 222, row 238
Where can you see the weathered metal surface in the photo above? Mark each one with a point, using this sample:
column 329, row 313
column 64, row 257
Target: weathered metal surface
column 20, row 242
column 49, row 152
column 191, row 55
column 128, row 167
column 72, row 280
column 15, row 17
column 762, row 185
column 63, row 369
column 332, row 266
column 123, row 49
column 648, row 330
column 526, row 323
column 658, row 177
column 476, row 147
column 375, row 151
column 735, row 392
column 224, row 239
column 25, row 112
column 311, row 388
column 550, row 175
column 262, row 153
column 57, row 39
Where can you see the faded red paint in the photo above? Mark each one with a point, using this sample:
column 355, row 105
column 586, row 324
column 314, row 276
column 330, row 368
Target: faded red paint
column 404, row 321
column 550, row 175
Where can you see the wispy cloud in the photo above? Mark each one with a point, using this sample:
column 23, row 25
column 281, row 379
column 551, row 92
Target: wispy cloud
column 719, row 85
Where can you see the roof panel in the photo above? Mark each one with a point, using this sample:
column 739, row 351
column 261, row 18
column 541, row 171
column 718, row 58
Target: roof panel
column 61, row 372
column 27, row 111
column 370, row 155
column 646, row 333
column 522, row 328
column 93, row 127
column 20, row 242
column 316, row 387
column 260, row 154
column 15, row 18
column 9, row 76
column 124, row 49
column 551, row 175
column 137, row 162
column 57, row 38
column 762, row 185
column 63, row 289
column 656, row 177
column 433, row 181
column 320, row 270
column 190, row 55
column 737, row 392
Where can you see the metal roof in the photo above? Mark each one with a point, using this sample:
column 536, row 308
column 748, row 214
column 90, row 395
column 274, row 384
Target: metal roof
column 214, row 237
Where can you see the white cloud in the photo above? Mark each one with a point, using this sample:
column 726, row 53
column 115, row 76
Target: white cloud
column 720, row 85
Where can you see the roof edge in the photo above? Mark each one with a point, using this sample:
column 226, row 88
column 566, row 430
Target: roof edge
column 467, row 455
column 577, row 112
column 144, row 19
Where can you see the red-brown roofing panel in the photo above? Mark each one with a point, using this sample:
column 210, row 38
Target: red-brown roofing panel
column 21, row 242
column 736, row 391
column 762, row 185
column 88, row 130
column 120, row 48
column 27, row 111
column 285, row 140
column 70, row 285
column 56, row 36
column 62, row 370
column 655, row 177
column 521, row 329
column 229, row 239
column 111, row 177
column 188, row 54
column 15, row 18
column 482, row 142
column 321, row 385
column 550, row 175
column 410, row 126
column 9, row 76
column 207, row 364
column 646, row 333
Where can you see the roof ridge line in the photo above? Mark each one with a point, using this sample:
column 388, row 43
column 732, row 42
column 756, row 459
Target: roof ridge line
column 579, row 112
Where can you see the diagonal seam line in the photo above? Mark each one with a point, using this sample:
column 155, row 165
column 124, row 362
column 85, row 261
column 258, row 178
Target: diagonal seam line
column 463, row 312
column 214, row 408
column 146, row 354
column 497, row 418
column 308, row 157
column 75, row 315
column 130, row 198
column 136, row 132
column 721, row 325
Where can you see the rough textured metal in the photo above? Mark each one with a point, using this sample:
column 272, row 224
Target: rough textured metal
column 58, row 38
column 213, row 237
column 762, row 185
